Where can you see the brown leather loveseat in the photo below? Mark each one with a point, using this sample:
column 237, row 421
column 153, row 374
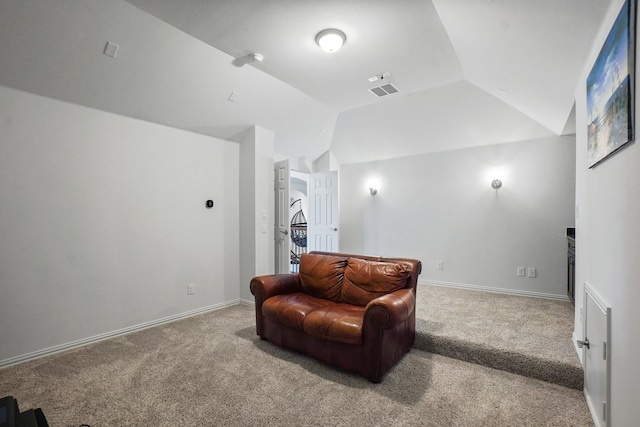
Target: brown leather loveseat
column 353, row 312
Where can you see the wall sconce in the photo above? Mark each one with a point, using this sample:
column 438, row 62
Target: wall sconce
column 496, row 183
column 373, row 184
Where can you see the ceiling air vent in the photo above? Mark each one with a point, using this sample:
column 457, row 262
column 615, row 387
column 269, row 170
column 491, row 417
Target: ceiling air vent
column 383, row 90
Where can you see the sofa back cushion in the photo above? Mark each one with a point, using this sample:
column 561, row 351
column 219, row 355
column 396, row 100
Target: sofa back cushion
column 365, row 280
column 322, row 275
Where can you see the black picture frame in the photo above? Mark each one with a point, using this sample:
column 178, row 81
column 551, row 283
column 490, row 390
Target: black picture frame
column 611, row 90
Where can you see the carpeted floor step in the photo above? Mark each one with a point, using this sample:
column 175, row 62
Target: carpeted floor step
column 522, row 335
column 552, row 371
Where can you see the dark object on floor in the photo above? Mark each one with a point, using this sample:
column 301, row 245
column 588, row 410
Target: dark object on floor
column 354, row 312
column 10, row 415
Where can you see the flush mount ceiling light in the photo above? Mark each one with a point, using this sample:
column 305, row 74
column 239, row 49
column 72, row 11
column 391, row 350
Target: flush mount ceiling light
column 331, row 40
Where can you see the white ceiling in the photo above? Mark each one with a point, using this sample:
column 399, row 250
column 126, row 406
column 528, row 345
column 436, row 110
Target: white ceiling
column 516, row 63
column 160, row 74
column 527, row 53
column 404, row 37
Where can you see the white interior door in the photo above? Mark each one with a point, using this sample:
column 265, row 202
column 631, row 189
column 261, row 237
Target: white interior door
column 324, row 219
column 596, row 356
column 281, row 234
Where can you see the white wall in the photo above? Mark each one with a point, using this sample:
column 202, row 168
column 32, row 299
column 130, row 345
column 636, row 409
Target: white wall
column 608, row 247
column 441, row 207
column 103, row 223
column 257, row 209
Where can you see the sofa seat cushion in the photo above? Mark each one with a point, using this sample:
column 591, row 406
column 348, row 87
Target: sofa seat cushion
column 339, row 322
column 291, row 309
column 365, row 280
column 321, row 275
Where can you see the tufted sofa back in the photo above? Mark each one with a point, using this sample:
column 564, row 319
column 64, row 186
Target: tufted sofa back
column 355, row 279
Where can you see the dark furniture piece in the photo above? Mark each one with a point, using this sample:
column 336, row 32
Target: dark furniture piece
column 353, row 312
column 571, row 264
column 10, row 415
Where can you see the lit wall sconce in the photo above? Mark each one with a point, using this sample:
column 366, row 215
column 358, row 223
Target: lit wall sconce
column 496, row 183
column 373, row 184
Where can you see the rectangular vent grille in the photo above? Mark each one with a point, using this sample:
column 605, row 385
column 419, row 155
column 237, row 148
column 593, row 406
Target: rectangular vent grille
column 384, row 90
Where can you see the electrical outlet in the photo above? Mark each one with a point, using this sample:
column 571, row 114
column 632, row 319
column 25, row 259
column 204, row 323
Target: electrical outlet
column 520, row 272
column 440, row 265
column 191, row 289
column 532, row 272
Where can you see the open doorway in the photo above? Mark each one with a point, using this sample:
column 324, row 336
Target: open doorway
column 298, row 214
column 306, row 215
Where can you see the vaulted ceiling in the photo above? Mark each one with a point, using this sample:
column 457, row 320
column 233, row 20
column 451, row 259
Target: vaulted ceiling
column 469, row 72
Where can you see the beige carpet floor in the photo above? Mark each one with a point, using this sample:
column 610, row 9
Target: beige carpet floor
column 212, row 370
column 523, row 335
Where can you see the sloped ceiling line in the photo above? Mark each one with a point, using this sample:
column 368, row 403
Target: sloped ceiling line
column 175, row 67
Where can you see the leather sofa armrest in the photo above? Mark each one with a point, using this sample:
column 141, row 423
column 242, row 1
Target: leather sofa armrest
column 390, row 309
column 263, row 287
column 388, row 331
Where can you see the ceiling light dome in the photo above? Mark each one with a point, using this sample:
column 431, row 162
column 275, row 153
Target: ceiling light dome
column 331, row 40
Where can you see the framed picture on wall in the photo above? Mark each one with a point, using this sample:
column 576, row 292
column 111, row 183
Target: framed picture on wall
column 610, row 90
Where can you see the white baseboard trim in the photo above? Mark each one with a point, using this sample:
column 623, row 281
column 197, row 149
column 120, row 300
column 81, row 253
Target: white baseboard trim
column 90, row 340
column 247, row 303
column 494, row 290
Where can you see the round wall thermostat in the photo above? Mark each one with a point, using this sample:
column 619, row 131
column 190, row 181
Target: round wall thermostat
column 209, row 204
